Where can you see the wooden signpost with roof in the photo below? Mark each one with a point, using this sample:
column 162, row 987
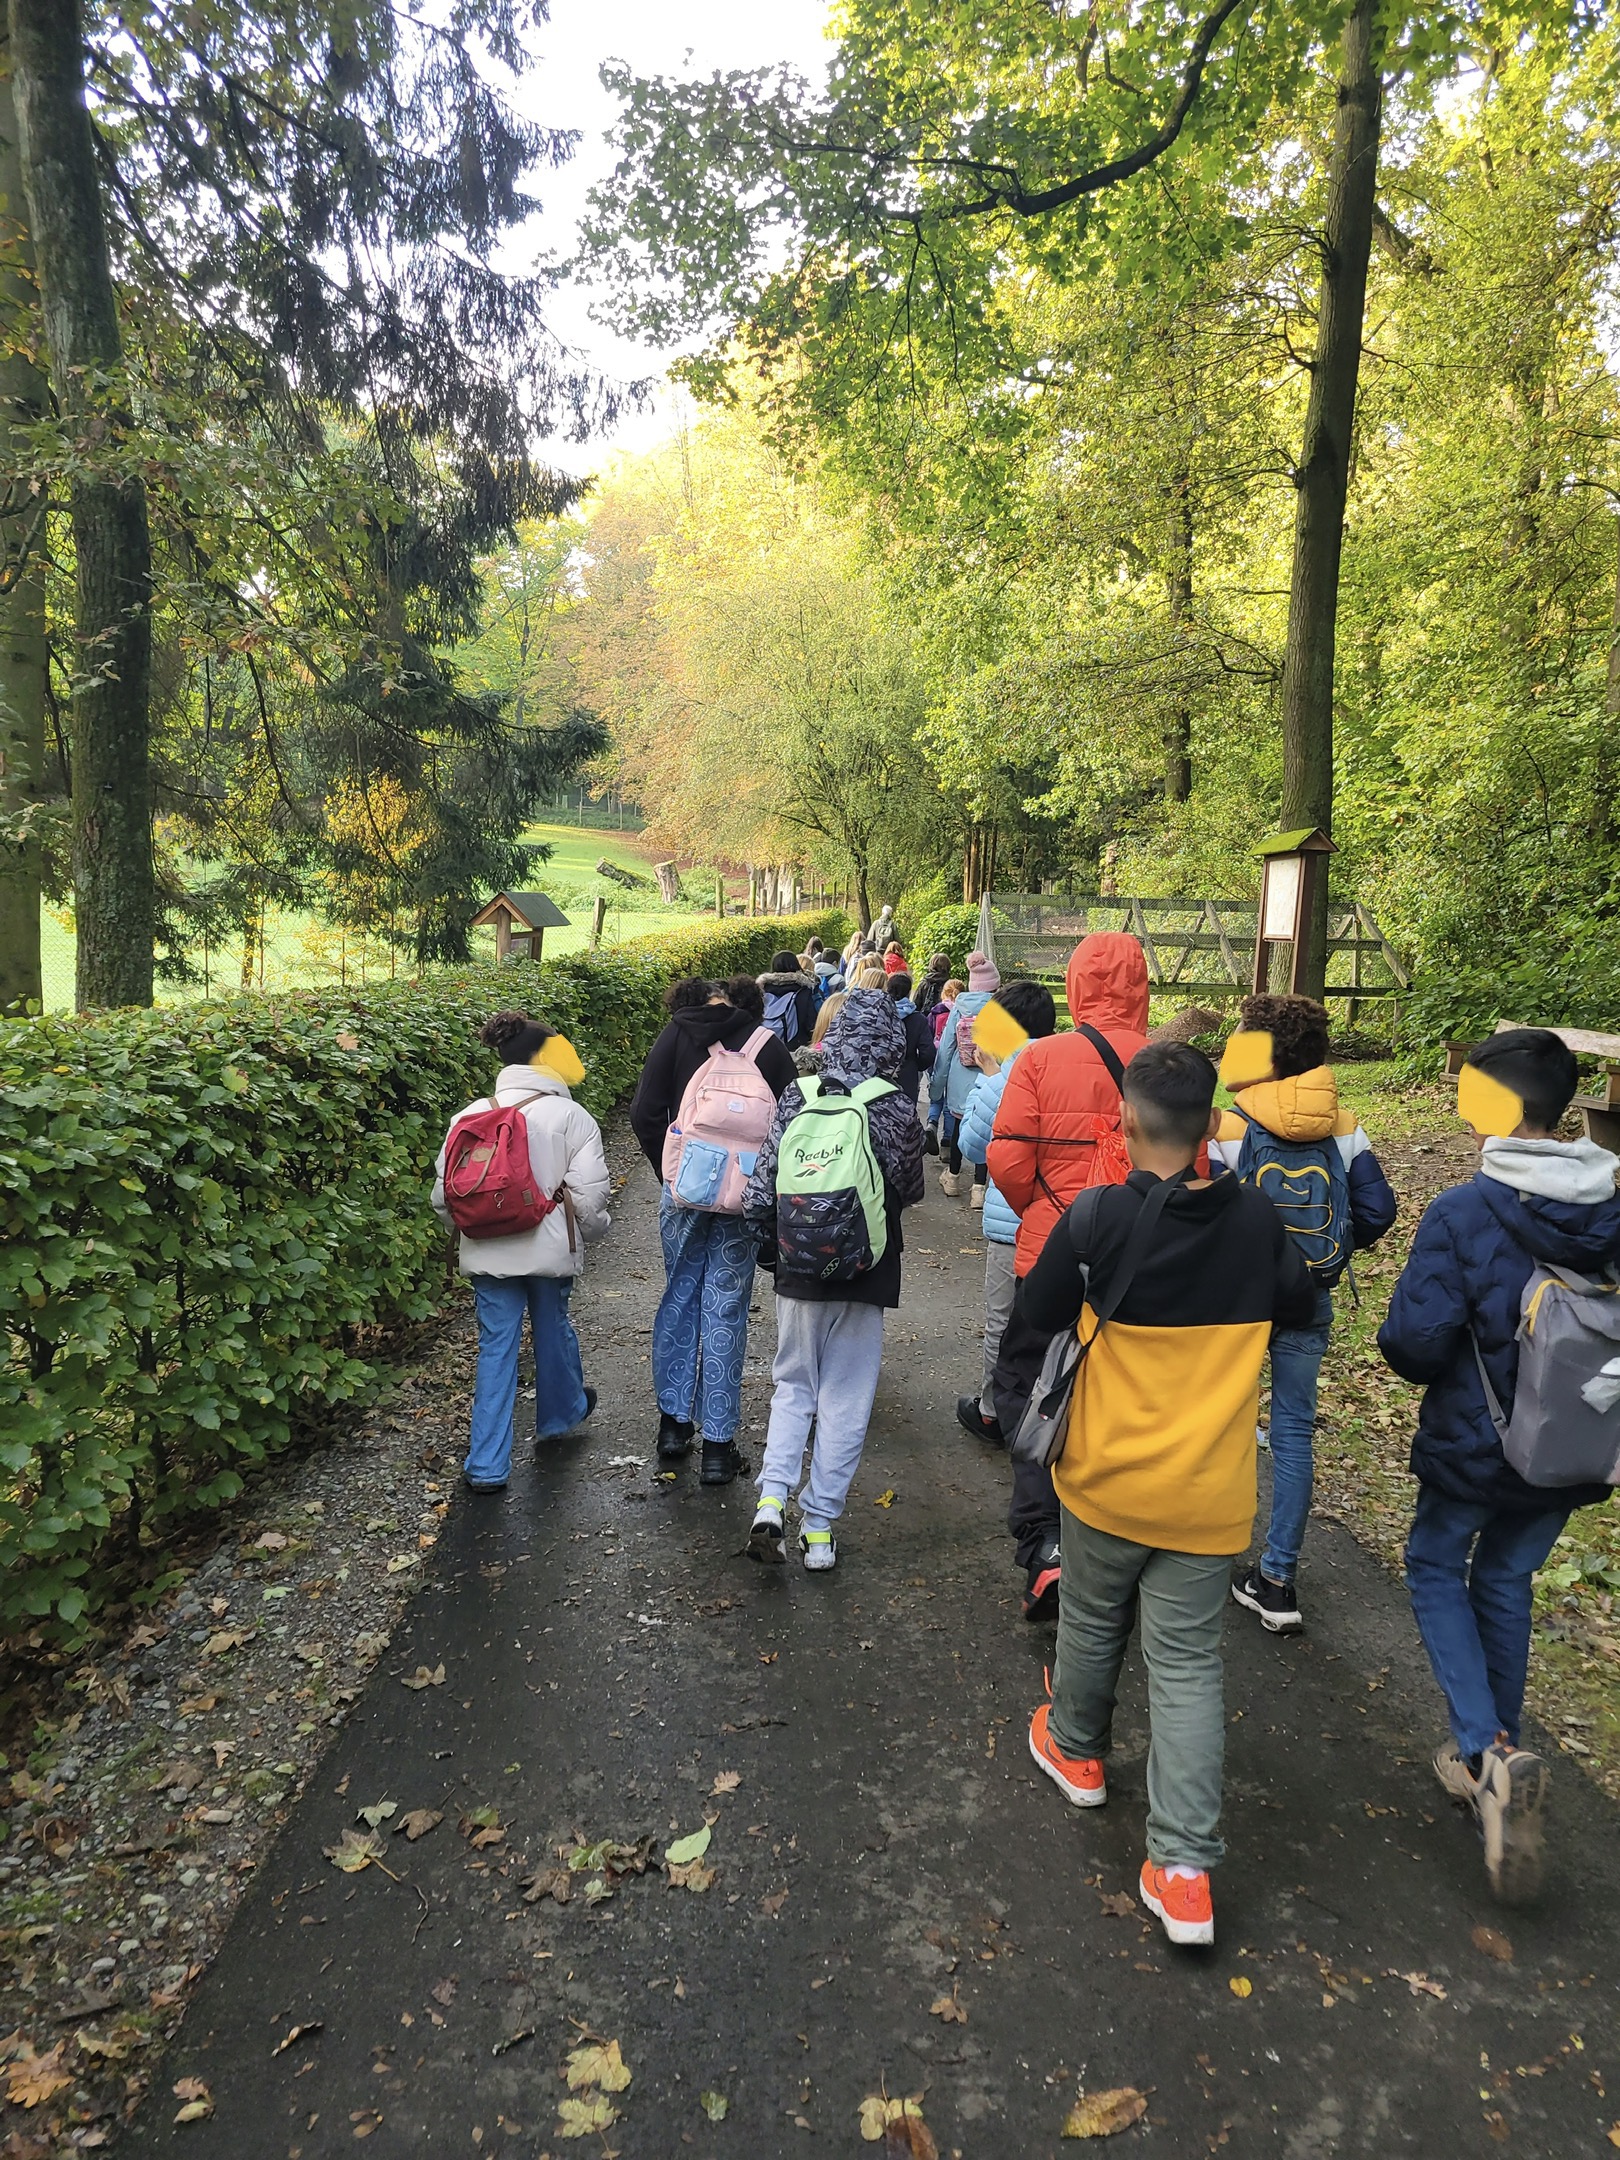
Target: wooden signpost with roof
column 1293, row 876
column 521, row 915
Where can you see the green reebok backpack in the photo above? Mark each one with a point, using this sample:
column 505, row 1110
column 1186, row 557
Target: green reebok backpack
column 831, row 1222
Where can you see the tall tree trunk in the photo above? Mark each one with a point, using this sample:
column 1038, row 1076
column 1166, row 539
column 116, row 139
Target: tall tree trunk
column 1179, row 593
column 22, row 588
column 1605, row 821
column 113, row 885
column 1324, row 466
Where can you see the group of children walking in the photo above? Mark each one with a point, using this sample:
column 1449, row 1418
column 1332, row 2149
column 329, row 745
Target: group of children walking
column 1145, row 1250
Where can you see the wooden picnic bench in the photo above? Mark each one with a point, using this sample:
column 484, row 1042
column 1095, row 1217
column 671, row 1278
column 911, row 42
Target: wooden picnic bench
column 1600, row 1111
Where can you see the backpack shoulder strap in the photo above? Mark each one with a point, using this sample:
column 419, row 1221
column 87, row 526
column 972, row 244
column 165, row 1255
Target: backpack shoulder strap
column 1106, row 1051
column 1136, row 1246
column 1082, row 1222
column 756, row 1043
column 809, row 1088
column 871, row 1091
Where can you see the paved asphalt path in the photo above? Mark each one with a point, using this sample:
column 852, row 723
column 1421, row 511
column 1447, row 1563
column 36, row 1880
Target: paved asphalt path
column 609, row 1653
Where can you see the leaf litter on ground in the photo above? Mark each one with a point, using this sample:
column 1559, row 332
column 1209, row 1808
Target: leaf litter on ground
column 355, row 1852
column 1100, row 2115
column 900, row 2125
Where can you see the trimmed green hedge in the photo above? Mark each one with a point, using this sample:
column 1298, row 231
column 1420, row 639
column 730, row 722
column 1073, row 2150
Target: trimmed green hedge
column 210, row 1211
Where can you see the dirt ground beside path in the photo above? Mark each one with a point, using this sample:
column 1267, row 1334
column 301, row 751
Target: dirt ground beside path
column 880, row 1844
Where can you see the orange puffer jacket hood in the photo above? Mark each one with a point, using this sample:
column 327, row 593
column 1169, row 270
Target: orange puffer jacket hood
column 1060, row 1098
column 1303, row 1107
column 1107, row 983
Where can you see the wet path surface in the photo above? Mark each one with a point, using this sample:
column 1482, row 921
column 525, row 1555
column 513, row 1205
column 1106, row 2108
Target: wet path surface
column 614, row 1668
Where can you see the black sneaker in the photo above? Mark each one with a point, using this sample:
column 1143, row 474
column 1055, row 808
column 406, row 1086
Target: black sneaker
column 1276, row 1603
column 930, row 1140
column 674, row 1437
column 723, row 1460
column 1041, row 1588
column 590, row 1403
column 972, row 1419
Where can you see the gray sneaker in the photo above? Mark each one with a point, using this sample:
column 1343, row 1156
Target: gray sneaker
column 1509, row 1799
column 1454, row 1773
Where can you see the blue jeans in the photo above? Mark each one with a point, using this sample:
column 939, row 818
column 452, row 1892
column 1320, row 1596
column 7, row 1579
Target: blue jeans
column 1475, row 1617
column 1296, row 1363
column 559, row 1382
column 700, row 1336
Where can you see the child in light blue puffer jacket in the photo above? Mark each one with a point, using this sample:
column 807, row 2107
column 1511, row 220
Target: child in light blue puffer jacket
column 1032, row 1006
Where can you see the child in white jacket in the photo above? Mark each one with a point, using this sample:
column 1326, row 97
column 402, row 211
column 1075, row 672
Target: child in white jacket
column 532, row 1272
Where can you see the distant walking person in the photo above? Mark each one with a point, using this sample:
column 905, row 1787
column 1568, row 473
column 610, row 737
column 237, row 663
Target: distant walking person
column 700, row 1335
column 790, row 1001
column 522, row 1175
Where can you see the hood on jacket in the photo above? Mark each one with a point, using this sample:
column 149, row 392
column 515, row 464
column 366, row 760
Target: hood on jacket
column 865, row 1040
column 711, row 1024
column 1107, row 982
column 785, row 981
column 528, row 1080
column 1575, row 1170
column 1580, row 1234
column 1305, row 1106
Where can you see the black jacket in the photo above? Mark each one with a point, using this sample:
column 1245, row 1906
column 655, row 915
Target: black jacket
column 683, row 1046
column 919, row 1057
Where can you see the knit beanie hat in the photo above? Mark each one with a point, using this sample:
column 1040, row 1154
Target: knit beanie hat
column 983, row 974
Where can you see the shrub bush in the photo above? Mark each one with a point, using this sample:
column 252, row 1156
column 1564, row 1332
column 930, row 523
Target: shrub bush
column 953, row 930
column 212, row 1209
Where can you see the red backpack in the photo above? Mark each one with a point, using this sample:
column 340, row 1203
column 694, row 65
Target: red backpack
column 489, row 1187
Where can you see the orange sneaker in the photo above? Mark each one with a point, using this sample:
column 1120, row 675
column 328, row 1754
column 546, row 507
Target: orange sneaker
column 1078, row 1777
column 1182, row 1902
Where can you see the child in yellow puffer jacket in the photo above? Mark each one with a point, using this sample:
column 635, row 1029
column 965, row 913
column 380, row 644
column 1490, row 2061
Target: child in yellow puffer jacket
column 1289, row 1137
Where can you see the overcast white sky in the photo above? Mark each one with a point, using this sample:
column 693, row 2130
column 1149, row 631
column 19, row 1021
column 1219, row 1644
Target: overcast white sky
column 666, row 37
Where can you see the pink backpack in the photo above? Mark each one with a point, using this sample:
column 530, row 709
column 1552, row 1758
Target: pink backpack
column 719, row 1129
column 489, row 1187
column 967, row 1050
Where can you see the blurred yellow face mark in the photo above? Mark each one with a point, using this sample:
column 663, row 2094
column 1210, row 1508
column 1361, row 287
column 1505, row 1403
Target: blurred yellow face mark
column 1484, row 1103
column 1246, row 1058
column 996, row 1031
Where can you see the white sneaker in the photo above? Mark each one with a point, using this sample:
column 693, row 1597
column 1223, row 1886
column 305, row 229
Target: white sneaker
column 950, row 1183
column 1510, row 1798
column 976, row 1197
column 1454, row 1774
column 820, row 1550
column 765, row 1540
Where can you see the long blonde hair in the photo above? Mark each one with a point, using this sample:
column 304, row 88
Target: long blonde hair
column 870, row 978
column 831, row 1008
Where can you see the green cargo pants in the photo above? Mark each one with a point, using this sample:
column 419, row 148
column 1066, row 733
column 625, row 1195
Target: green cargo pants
column 1182, row 1599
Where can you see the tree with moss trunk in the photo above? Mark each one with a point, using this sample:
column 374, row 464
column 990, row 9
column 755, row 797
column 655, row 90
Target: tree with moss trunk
column 113, row 892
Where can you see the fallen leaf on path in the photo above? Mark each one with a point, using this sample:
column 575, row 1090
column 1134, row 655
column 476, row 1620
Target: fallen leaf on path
column 368, row 1646
column 885, row 1499
column 221, row 1749
column 689, row 1848
column 692, row 1876
column 769, row 1657
column 378, row 1813
column 512, row 2040
column 112, row 2049
column 580, row 2118
column 444, row 1991
column 485, row 1840
column 225, row 1639
column 32, row 2079
column 419, row 1822
column 1492, row 1944
column 354, row 1851
column 947, row 2009
column 1614, row 2135
column 197, row 2102
column 270, row 1541
column 484, row 1827
column 219, row 1607
column 199, row 1705
column 554, row 1883
column 1119, row 1904
column 726, row 1781
column 1099, row 2115
column 425, row 1677
column 899, row 2123
column 773, row 1905
column 1420, row 1984
column 299, row 2032
column 397, row 1566
column 597, row 2062
column 714, row 2105
column 1241, row 1987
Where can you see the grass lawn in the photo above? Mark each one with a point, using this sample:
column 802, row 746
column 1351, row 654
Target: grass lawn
column 302, row 951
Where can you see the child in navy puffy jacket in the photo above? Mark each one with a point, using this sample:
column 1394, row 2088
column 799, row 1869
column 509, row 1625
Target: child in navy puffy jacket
column 1480, row 1532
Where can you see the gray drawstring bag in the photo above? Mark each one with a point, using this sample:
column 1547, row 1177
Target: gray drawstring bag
column 1565, row 1425
column 1044, row 1426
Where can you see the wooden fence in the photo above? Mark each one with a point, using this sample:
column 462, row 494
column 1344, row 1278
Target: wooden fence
column 1198, row 946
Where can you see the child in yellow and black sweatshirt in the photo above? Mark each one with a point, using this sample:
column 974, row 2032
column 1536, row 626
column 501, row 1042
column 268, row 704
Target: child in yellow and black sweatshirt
column 1157, row 1475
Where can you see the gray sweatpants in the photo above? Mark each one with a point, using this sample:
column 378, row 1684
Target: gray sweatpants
column 826, row 1372
column 999, row 1285
column 1182, row 1600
